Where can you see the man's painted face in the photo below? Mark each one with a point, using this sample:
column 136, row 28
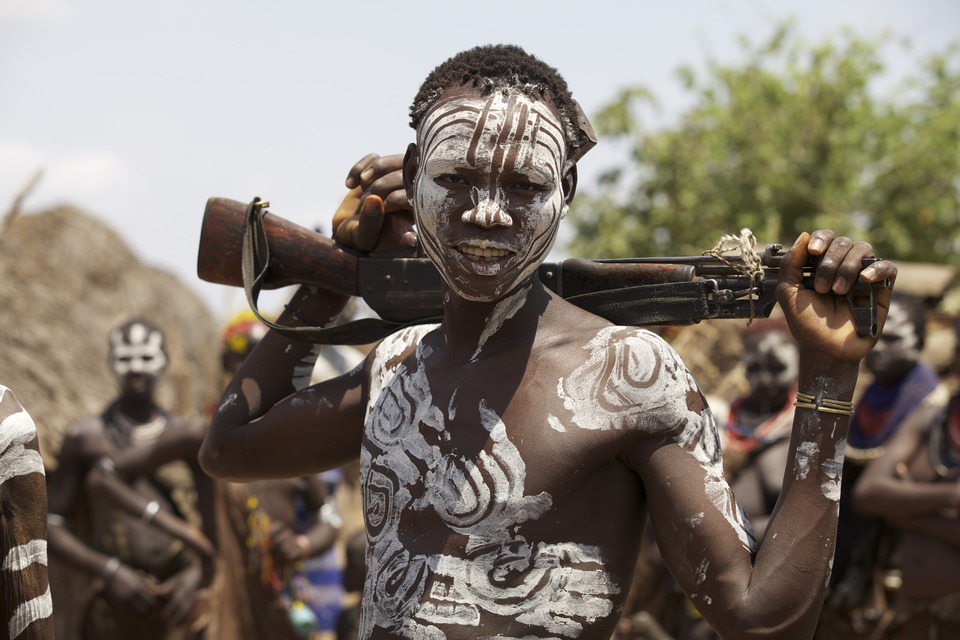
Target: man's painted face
column 138, row 350
column 772, row 366
column 488, row 192
column 898, row 348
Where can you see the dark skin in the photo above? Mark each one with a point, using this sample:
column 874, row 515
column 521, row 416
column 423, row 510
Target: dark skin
column 127, row 591
column 180, row 442
column 769, row 363
column 584, row 488
column 278, row 497
column 903, row 487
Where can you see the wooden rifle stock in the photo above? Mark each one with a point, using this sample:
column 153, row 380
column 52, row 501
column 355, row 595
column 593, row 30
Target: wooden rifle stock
column 297, row 255
column 638, row 291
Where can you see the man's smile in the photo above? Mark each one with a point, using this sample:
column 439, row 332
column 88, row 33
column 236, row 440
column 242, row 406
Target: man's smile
column 483, row 252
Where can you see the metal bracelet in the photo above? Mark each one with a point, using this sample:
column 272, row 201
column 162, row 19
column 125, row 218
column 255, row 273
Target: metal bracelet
column 110, row 569
column 56, row 520
column 150, row 511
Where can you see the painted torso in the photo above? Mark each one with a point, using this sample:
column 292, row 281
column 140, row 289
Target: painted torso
column 494, row 503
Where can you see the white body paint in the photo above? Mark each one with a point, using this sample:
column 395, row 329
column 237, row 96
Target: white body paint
column 482, row 497
column 503, row 311
column 18, row 458
column 806, row 453
column 20, row 557
column 630, row 378
column 303, row 373
column 16, row 433
column 833, row 469
column 627, row 364
column 27, row 612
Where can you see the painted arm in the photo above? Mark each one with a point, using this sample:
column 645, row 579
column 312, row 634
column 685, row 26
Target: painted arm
column 776, row 589
column 269, row 424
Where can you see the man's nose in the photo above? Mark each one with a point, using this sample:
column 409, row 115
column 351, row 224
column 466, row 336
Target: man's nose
column 136, row 365
column 488, row 214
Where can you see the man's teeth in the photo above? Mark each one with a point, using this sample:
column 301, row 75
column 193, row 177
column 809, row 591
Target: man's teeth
column 484, row 252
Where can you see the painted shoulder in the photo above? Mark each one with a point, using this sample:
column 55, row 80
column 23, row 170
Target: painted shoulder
column 391, row 352
column 8, row 403
column 19, row 454
column 631, row 379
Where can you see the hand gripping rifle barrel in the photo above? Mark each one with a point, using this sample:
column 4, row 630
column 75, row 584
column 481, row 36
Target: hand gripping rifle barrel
column 631, row 291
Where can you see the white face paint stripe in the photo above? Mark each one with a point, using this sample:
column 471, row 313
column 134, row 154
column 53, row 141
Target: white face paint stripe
column 452, row 115
column 492, row 137
column 141, row 351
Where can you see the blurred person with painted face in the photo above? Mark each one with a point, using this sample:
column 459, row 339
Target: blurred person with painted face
column 900, row 385
column 756, row 433
column 914, row 486
column 146, row 579
column 511, row 455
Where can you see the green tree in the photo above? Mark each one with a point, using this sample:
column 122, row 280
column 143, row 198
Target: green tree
column 795, row 138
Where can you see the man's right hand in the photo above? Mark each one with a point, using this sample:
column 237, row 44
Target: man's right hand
column 375, row 217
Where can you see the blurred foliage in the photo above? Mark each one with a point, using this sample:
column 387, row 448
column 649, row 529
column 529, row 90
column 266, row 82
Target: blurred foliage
column 795, row 138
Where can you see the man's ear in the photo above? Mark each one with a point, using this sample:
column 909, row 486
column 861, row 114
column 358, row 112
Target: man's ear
column 569, row 182
column 411, row 163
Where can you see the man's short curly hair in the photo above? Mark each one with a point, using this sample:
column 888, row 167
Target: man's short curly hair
column 502, row 66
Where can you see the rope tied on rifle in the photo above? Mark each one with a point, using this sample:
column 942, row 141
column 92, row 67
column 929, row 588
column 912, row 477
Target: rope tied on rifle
column 752, row 266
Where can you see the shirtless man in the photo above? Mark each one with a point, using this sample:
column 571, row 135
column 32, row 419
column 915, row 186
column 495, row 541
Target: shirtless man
column 756, row 433
column 510, row 455
column 901, row 382
column 915, row 487
column 147, row 579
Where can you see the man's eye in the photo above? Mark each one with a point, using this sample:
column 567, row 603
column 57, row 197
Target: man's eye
column 451, row 178
column 527, row 186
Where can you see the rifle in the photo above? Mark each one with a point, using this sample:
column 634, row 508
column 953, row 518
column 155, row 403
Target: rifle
column 245, row 246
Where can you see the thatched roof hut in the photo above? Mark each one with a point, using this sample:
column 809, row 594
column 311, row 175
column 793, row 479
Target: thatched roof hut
column 67, row 279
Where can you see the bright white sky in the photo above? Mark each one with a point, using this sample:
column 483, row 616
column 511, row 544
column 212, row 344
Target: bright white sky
column 138, row 112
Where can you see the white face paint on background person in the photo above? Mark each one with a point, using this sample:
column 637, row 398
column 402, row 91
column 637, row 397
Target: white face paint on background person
column 136, row 353
column 772, row 365
column 491, row 187
column 898, row 349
